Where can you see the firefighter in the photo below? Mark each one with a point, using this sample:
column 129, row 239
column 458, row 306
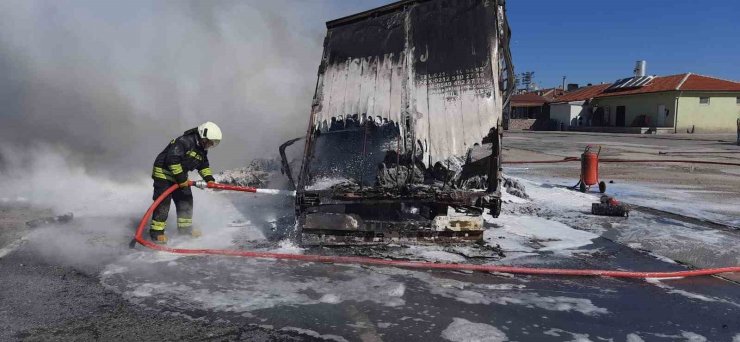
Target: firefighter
column 183, row 154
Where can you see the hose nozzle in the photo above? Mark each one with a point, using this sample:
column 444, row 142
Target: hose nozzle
column 200, row 184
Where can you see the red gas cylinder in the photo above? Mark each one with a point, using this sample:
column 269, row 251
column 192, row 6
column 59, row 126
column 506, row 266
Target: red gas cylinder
column 590, row 166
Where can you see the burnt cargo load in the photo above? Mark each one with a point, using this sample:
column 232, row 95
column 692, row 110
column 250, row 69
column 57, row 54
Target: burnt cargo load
column 404, row 137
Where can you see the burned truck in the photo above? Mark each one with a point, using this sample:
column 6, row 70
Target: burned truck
column 404, row 136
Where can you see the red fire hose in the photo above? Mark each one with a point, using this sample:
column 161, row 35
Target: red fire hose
column 398, row 263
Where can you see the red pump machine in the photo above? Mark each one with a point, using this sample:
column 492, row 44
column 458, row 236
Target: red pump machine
column 590, row 170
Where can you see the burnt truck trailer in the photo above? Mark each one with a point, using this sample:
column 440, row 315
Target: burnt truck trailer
column 404, row 137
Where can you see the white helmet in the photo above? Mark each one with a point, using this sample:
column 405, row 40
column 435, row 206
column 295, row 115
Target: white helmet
column 210, row 131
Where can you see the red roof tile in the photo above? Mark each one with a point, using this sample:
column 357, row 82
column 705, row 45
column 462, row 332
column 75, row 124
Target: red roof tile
column 582, row 94
column 551, row 93
column 706, row 83
column 527, row 99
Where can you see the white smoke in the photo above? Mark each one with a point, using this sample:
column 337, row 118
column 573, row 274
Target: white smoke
column 92, row 91
column 52, row 178
column 113, row 82
column 106, row 212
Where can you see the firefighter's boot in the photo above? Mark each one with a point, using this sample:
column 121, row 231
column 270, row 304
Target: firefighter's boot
column 189, row 231
column 185, row 227
column 158, row 236
column 156, row 232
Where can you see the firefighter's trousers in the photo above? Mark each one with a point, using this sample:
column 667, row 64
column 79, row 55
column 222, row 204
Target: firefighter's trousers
column 183, row 198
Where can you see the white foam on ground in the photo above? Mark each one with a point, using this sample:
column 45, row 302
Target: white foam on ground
column 558, row 198
column 632, row 337
column 671, row 289
column 668, row 198
column 251, row 284
column 664, row 237
column 662, row 258
column 670, row 232
column 534, row 234
column 315, row 334
column 686, row 243
column 114, row 269
column 148, row 257
column 509, row 198
column 693, row 337
column 501, row 294
column 431, row 253
column 576, row 337
column 504, row 286
column 736, row 338
column 384, row 325
column 261, row 284
column 11, row 247
column 462, row 330
column 529, row 300
column 330, row 299
column 288, row 247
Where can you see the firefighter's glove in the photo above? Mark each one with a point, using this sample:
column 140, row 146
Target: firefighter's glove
column 184, row 184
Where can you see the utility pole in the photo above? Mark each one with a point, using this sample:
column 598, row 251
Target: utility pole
column 563, row 83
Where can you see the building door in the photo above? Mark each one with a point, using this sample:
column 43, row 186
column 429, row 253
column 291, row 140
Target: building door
column 661, row 116
column 621, row 113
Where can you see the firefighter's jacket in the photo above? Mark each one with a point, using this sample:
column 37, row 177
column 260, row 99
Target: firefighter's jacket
column 180, row 156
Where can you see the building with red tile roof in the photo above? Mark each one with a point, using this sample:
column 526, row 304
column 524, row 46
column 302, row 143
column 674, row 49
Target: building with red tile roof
column 526, row 108
column 677, row 103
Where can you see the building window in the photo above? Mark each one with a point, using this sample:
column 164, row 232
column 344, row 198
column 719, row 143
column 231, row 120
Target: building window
column 704, row 100
column 525, row 112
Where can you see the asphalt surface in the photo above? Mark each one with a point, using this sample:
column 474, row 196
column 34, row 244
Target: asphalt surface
column 142, row 295
column 44, row 301
column 720, row 183
column 371, row 303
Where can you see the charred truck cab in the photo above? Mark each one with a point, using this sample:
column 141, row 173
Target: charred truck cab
column 404, row 137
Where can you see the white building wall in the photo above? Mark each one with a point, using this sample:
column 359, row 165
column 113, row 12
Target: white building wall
column 567, row 112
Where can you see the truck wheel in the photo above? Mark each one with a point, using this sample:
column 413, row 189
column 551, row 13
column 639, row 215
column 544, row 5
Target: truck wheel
column 496, row 207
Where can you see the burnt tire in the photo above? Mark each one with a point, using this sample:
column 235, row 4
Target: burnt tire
column 602, row 187
column 496, row 207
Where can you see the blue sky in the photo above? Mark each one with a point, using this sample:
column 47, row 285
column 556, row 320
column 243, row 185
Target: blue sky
column 599, row 41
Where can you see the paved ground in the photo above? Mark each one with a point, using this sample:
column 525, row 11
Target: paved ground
column 81, row 282
column 555, row 145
